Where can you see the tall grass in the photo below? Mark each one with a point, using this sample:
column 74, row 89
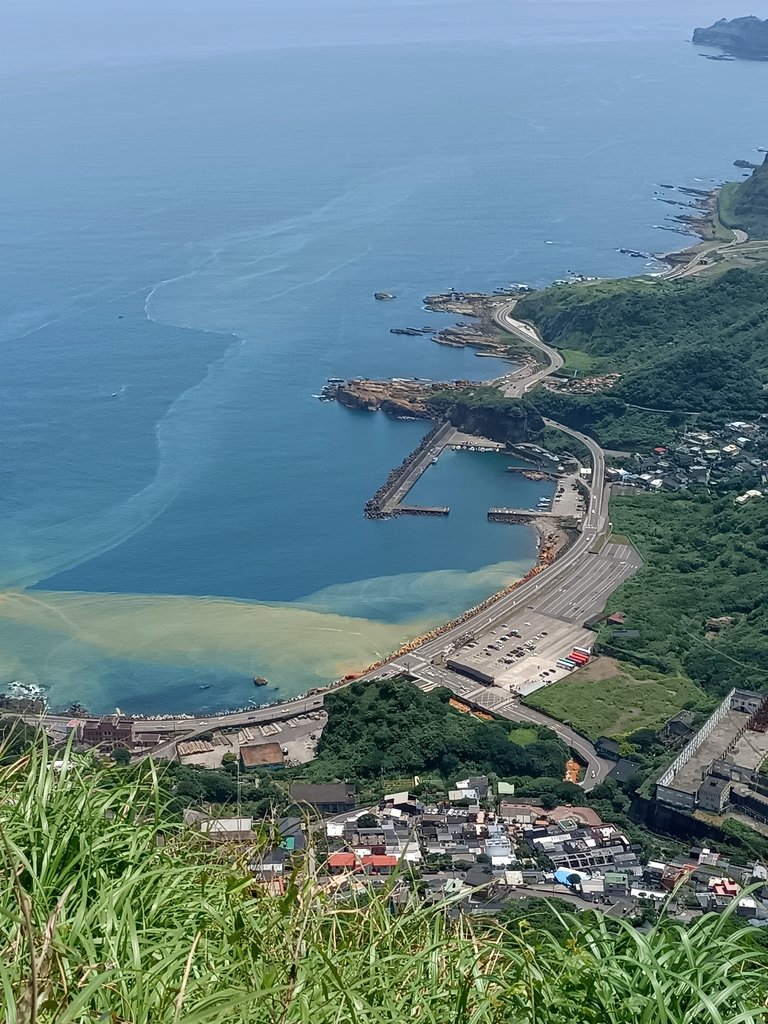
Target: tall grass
column 110, row 914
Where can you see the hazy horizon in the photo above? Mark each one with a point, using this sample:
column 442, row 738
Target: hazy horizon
column 45, row 34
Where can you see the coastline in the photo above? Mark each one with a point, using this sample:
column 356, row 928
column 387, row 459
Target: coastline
column 549, row 547
column 481, row 305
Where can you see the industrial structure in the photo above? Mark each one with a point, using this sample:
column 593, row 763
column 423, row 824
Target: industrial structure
column 720, row 767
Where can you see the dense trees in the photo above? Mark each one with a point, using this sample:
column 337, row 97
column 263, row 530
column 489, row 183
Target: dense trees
column 708, row 378
column 188, row 785
column 483, row 410
column 704, row 558
column 390, row 727
column 747, row 203
column 607, row 418
column 627, row 322
column 690, row 346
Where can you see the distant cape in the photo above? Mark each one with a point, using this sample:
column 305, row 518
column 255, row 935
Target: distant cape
column 743, row 37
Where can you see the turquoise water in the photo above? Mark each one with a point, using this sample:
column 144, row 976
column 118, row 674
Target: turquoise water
column 191, row 248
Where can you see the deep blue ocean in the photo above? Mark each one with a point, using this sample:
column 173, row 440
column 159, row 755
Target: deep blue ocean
column 193, row 221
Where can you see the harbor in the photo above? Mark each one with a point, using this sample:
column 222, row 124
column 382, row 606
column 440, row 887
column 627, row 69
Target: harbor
column 388, row 500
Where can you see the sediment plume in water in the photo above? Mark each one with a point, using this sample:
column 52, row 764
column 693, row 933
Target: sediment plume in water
column 102, row 649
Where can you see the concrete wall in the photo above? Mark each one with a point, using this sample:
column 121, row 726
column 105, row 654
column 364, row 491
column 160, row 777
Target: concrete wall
column 692, row 746
column 465, row 668
column 713, row 798
column 676, row 798
column 735, row 772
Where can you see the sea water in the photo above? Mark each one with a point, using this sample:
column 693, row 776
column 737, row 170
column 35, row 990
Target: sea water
column 191, row 245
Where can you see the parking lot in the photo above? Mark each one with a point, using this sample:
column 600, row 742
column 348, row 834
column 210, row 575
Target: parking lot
column 568, row 501
column 297, row 736
column 520, row 655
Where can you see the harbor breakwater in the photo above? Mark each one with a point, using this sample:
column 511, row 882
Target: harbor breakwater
column 377, row 506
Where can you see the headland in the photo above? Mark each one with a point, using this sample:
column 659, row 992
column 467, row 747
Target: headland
column 741, row 37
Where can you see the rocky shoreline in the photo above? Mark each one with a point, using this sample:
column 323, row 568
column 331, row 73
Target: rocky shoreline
column 702, row 221
column 409, row 399
column 398, row 397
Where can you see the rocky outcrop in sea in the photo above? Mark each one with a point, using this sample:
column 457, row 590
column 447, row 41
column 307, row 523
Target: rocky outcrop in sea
column 742, row 37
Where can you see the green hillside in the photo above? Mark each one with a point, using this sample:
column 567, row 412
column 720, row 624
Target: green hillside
column 629, row 323
column 703, row 558
column 697, row 345
column 111, row 913
column 745, row 204
column 390, row 727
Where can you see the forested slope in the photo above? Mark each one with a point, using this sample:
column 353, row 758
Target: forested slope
column 689, row 345
column 704, row 558
column 392, row 728
column 747, row 203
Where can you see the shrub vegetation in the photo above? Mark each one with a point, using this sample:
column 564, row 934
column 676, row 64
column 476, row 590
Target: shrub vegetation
column 110, row 913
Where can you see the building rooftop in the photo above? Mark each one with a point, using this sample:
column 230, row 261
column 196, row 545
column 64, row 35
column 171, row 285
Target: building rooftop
column 623, row 770
column 379, row 860
column 323, row 793
column 750, row 751
column 227, row 825
column 606, row 743
column 342, row 860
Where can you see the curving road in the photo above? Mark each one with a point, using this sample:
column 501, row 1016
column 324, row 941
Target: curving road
column 546, row 583
column 515, row 387
column 694, row 265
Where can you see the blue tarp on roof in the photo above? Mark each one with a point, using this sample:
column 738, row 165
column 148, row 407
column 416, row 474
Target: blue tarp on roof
column 563, row 874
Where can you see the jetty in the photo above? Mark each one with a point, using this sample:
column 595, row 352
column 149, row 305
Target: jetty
column 535, row 474
column 519, row 515
column 387, row 501
column 421, row 510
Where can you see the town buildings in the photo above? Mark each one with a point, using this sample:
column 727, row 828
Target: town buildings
column 487, row 853
column 723, row 457
column 108, row 732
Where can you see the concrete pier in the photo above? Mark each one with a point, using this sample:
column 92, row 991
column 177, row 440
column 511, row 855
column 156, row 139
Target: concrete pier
column 532, row 473
column 421, row 510
column 518, row 515
column 387, row 500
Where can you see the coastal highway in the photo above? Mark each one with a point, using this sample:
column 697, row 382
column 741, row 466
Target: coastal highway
column 516, row 387
column 171, row 729
column 560, row 573
column 696, row 262
column 503, row 705
column 576, row 582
